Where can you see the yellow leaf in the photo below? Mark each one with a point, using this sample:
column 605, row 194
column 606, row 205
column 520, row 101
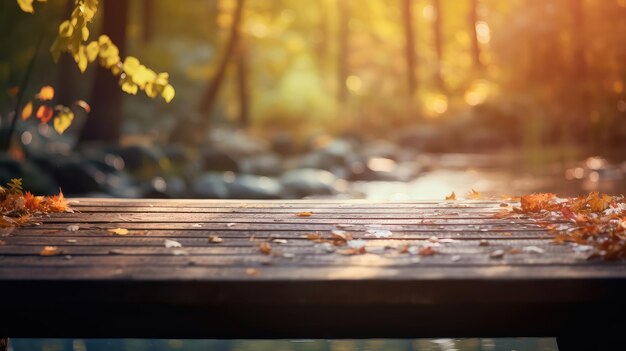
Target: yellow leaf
column 119, row 231
column 168, row 93
column 85, row 33
column 46, row 93
column 26, row 5
column 27, row 111
column 92, row 50
column 473, row 195
column 129, row 87
column 66, row 29
column 63, row 120
column 50, row 251
column 81, row 59
column 452, row 197
column 131, row 64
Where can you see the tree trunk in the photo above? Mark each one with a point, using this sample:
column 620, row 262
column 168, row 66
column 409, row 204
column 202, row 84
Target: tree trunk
column 210, row 94
column 438, row 31
column 473, row 19
column 105, row 120
column 409, row 36
column 148, row 20
column 342, row 50
column 321, row 44
column 242, row 84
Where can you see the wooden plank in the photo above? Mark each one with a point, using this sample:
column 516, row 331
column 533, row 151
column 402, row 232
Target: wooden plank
column 133, row 286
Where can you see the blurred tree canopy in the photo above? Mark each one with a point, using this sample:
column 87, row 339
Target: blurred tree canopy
column 531, row 72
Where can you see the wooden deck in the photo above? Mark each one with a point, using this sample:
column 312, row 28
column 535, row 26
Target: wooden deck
column 107, row 285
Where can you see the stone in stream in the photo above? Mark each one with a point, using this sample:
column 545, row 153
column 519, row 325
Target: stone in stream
column 303, row 182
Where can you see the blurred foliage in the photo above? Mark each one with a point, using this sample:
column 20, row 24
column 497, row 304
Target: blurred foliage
column 549, row 71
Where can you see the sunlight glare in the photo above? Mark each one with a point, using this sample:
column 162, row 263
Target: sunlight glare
column 483, row 32
column 354, row 83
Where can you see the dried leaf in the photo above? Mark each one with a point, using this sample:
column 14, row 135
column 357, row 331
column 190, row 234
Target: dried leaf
column 304, row 214
column 427, row 251
column 251, row 272
column 265, row 248
column 172, row 243
column 314, row 236
column 50, row 251
column 474, row 195
column 119, row 231
column 353, row 251
column 496, row 254
column 451, row 197
column 534, row 250
column 214, row 239
column 72, row 228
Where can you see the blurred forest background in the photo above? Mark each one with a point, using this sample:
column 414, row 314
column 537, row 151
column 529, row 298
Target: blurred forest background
column 270, row 93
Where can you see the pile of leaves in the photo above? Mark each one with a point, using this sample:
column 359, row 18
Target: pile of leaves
column 18, row 208
column 594, row 221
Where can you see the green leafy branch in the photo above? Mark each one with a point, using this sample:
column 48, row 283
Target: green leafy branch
column 72, row 39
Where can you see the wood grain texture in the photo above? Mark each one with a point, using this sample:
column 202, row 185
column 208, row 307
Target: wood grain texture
column 134, row 286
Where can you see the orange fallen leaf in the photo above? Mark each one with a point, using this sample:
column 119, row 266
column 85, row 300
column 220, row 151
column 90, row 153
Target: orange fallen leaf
column 353, row 251
column 304, row 214
column 265, row 248
column 50, row 251
column 451, row 197
column 314, row 236
column 427, row 251
column 119, row 231
column 214, row 239
column 251, row 271
column 473, row 195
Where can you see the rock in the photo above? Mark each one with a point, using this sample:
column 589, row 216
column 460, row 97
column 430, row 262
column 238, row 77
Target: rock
column 379, row 148
column 177, row 154
column 142, row 161
column 230, row 186
column 236, row 142
column 283, row 144
column 248, row 186
column 210, row 185
column 304, row 182
column 218, row 160
column 165, row 188
column 266, row 164
column 383, row 169
column 77, row 175
column 34, row 178
column 425, row 138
